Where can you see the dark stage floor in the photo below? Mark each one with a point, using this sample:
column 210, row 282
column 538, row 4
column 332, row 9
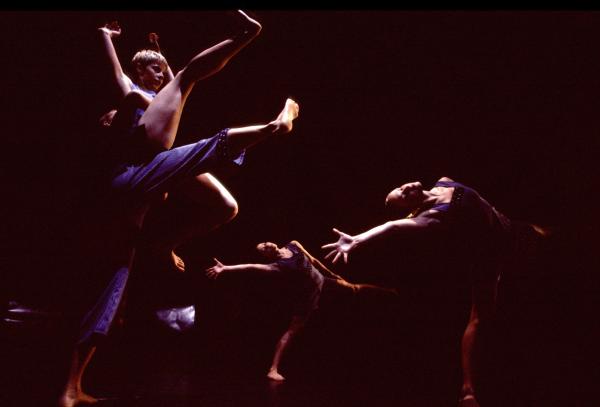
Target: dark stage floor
column 354, row 363
column 539, row 351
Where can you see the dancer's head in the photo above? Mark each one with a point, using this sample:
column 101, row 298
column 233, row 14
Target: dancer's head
column 408, row 196
column 149, row 67
column 268, row 250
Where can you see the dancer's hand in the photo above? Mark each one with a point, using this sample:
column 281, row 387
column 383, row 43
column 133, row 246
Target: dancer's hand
column 214, row 271
column 153, row 40
column 107, row 118
column 112, row 29
column 342, row 247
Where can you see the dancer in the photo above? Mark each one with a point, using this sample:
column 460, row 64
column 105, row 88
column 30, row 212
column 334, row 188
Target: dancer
column 208, row 204
column 144, row 169
column 311, row 280
column 488, row 237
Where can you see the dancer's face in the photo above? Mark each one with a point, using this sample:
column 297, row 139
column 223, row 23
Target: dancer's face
column 267, row 249
column 152, row 75
column 407, row 196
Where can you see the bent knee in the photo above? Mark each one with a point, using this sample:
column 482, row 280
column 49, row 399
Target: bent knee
column 222, row 200
column 214, row 199
column 229, row 208
column 221, row 204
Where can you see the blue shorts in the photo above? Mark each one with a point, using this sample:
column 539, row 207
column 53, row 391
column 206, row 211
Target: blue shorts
column 139, row 181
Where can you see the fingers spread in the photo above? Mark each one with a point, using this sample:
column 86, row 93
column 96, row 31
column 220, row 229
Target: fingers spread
column 331, row 253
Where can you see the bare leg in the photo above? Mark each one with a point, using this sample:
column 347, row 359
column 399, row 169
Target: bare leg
column 295, row 326
column 82, row 354
column 169, row 168
column 213, row 204
column 161, row 119
column 482, row 309
column 245, row 137
column 208, row 205
column 362, row 292
column 374, row 290
column 73, row 394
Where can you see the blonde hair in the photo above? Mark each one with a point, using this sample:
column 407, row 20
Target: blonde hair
column 146, row 57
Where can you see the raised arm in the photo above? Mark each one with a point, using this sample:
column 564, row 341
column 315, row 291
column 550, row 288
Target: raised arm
column 108, row 32
column 216, row 270
column 347, row 243
column 153, row 39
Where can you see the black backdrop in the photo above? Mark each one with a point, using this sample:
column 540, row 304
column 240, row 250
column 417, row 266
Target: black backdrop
column 503, row 101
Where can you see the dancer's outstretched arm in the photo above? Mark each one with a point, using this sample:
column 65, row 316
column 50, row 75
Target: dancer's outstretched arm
column 347, row 243
column 219, row 268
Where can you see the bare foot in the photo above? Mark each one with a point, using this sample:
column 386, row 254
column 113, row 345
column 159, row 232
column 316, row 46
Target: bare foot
column 468, row 401
column 274, row 375
column 251, row 24
column 542, row 231
column 73, row 398
column 283, row 123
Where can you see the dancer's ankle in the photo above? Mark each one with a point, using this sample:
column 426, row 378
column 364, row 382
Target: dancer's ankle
column 467, row 399
column 467, row 391
column 273, row 374
column 284, row 122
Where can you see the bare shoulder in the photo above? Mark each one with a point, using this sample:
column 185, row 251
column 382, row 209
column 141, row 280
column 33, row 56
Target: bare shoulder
column 445, row 179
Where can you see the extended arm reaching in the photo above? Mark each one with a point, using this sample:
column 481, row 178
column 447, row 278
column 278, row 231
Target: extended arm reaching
column 216, row 270
column 347, row 243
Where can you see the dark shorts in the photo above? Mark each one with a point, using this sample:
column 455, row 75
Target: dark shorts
column 307, row 301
